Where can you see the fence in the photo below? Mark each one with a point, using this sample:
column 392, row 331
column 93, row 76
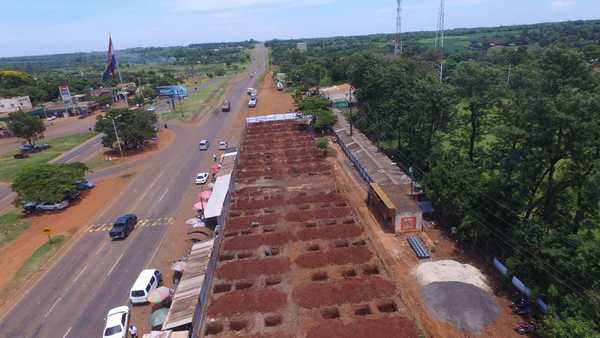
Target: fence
column 361, row 171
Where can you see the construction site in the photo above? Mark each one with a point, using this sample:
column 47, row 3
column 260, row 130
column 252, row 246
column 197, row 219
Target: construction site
column 295, row 260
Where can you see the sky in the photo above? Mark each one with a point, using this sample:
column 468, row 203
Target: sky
column 37, row 27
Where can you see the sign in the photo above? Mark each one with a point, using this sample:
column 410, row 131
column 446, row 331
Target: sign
column 65, row 94
column 408, row 223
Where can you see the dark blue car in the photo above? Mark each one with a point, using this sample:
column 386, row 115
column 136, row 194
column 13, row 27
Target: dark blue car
column 123, row 226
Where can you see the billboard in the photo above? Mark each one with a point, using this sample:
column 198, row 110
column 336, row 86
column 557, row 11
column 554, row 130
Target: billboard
column 65, row 94
column 408, row 223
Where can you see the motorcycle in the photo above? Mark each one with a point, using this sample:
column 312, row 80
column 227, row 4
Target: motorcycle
column 525, row 327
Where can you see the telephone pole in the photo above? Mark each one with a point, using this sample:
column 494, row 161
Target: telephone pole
column 398, row 47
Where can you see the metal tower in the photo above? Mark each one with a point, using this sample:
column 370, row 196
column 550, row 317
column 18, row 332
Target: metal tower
column 398, row 48
column 439, row 35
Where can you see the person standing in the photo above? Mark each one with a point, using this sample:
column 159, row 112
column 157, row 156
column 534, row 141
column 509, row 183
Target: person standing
column 214, row 157
column 133, row 331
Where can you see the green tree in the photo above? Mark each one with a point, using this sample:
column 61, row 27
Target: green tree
column 134, row 128
column 47, row 182
column 322, row 143
column 26, row 126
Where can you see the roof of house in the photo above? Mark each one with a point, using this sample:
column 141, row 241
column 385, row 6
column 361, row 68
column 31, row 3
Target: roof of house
column 399, row 195
column 214, row 207
column 188, row 290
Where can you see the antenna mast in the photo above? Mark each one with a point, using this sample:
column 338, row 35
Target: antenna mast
column 439, row 36
column 398, row 47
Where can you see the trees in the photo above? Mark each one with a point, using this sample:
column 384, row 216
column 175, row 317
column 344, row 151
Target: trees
column 134, row 128
column 47, row 182
column 26, row 126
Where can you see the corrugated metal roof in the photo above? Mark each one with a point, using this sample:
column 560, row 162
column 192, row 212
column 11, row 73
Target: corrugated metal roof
column 188, row 290
column 214, row 207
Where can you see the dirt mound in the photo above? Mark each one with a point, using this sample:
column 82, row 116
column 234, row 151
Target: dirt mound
column 382, row 327
column 450, row 271
column 340, row 292
column 255, row 241
column 249, row 268
column 330, row 232
column 462, row 305
column 237, row 302
column 339, row 256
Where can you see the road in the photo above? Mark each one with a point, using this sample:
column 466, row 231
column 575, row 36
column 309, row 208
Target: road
column 95, row 274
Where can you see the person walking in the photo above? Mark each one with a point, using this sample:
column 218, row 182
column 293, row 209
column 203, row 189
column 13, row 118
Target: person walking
column 214, row 157
column 133, row 331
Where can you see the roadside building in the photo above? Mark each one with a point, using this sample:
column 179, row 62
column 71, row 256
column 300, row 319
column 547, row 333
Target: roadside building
column 55, row 108
column 340, row 96
column 13, row 104
column 302, row 46
column 107, row 92
column 395, row 208
column 130, row 87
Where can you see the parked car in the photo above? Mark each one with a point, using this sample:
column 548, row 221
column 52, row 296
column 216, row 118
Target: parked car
column 28, row 148
column 147, row 280
column 117, row 323
column 84, row 185
column 30, row 207
column 204, row 145
column 74, row 195
column 252, row 103
column 223, row 145
column 201, row 178
column 48, row 206
column 123, row 226
column 251, row 91
column 226, row 106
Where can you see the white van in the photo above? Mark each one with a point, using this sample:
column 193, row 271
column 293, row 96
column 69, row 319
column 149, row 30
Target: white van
column 147, row 280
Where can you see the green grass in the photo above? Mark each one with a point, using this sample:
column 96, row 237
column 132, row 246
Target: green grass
column 9, row 166
column 38, row 259
column 199, row 103
column 11, row 226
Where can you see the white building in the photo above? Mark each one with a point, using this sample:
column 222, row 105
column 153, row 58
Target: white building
column 302, row 46
column 13, row 104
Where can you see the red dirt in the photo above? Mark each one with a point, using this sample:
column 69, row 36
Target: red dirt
column 272, row 101
column 382, row 327
column 336, row 231
column 238, row 302
column 255, row 241
column 240, row 223
column 273, row 335
column 339, row 256
column 354, row 290
column 301, row 216
column 249, row 268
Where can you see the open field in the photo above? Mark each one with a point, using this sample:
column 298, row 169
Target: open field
column 10, row 166
column 199, row 103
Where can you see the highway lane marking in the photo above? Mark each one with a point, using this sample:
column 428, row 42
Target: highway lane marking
column 68, row 331
column 114, row 265
column 163, row 195
column 144, row 223
column 79, row 274
column 53, row 305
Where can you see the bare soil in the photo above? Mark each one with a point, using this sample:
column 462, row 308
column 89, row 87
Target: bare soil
column 339, row 256
column 331, row 232
column 237, row 302
column 253, row 268
column 382, row 327
column 271, row 101
column 255, row 241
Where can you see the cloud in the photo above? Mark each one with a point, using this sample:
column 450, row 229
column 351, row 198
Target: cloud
column 563, row 3
column 222, row 5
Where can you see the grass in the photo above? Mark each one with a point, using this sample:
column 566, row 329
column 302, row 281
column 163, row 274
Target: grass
column 11, row 226
column 9, row 166
column 199, row 103
column 38, row 259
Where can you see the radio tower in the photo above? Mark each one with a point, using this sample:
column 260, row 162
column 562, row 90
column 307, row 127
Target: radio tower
column 398, row 43
column 439, row 36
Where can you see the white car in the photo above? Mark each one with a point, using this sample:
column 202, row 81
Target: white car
column 117, row 323
column 252, row 103
column 204, row 145
column 223, row 145
column 201, row 178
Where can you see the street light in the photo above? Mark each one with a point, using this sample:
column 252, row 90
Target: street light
column 117, row 134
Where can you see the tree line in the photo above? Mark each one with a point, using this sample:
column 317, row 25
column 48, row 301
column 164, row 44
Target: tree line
column 507, row 147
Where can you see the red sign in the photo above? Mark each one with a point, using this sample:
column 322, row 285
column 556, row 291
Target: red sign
column 408, row 223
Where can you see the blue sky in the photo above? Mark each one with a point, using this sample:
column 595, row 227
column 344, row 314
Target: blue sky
column 60, row 26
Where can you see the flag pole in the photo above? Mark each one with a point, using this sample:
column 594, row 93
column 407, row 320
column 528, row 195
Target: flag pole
column 118, row 68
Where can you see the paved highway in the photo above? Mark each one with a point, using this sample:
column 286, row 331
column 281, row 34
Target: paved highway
column 95, row 274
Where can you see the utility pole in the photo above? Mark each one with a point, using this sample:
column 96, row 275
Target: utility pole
column 398, row 47
column 117, row 135
column 350, row 109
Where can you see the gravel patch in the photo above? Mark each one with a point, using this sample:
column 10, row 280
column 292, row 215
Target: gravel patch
column 462, row 305
column 450, row 271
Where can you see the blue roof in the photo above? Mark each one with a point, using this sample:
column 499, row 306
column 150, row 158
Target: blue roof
column 426, row 206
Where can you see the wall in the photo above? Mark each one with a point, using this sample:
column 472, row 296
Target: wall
column 13, row 104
